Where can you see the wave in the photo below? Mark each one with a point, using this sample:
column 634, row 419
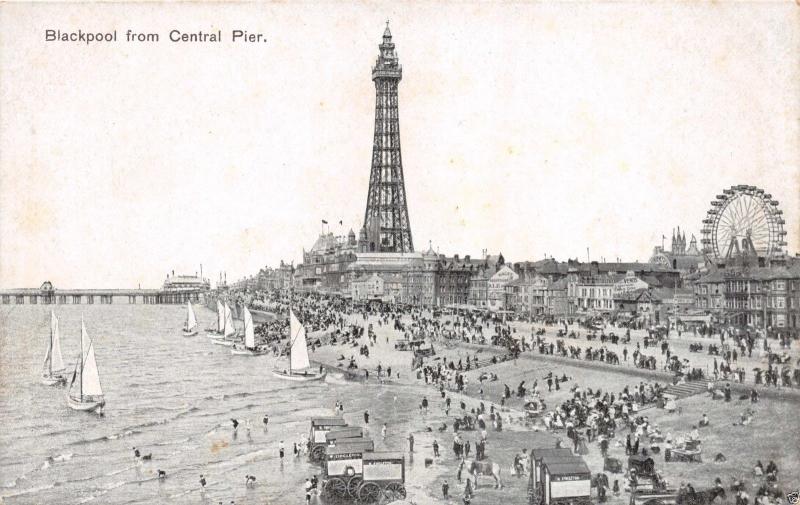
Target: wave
column 106, row 438
column 31, row 490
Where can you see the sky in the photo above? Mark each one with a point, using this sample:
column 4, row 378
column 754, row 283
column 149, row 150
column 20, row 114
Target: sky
column 532, row 129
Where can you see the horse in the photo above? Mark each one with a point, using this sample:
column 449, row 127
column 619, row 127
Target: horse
column 487, row 467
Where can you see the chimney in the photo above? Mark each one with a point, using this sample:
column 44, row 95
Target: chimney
column 466, row 258
column 455, row 258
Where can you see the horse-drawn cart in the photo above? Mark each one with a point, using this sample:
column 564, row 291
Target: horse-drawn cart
column 320, row 426
column 384, row 475
column 343, row 469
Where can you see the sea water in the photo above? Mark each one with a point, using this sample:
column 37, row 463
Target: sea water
column 166, row 394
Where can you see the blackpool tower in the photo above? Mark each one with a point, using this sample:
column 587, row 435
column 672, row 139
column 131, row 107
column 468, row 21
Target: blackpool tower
column 386, row 223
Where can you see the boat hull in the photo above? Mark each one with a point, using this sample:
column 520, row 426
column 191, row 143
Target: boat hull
column 227, row 343
column 189, row 333
column 299, row 377
column 53, row 380
column 86, row 405
column 247, row 352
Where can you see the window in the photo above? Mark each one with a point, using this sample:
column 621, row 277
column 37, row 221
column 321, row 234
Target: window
column 780, row 285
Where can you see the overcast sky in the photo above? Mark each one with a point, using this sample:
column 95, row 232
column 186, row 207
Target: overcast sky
column 532, row 129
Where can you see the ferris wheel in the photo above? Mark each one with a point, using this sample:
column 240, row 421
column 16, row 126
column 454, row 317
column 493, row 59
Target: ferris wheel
column 744, row 219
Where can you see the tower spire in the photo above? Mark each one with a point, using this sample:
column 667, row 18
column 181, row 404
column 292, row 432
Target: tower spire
column 386, row 217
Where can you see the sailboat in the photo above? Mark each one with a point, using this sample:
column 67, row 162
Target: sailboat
column 85, row 392
column 228, row 330
column 191, row 322
column 299, row 366
column 214, row 333
column 249, row 348
column 53, row 368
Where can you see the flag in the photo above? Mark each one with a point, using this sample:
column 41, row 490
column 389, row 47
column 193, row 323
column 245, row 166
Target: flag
column 324, row 222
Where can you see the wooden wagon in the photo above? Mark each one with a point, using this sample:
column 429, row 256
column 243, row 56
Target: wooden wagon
column 343, row 434
column 320, row 426
column 536, row 467
column 384, row 475
column 343, row 469
column 564, row 481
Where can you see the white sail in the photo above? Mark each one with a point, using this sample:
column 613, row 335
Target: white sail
column 90, row 377
column 88, row 382
column 56, row 360
column 191, row 320
column 220, row 317
column 249, row 331
column 298, row 355
column 230, row 329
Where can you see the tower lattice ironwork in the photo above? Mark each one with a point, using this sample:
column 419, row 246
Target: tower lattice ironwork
column 386, row 222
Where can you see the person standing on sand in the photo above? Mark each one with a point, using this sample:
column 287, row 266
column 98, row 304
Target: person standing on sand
column 280, row 450
column 435, row 449
column 383, row 431
column 366, row 417
column 410, row 442
column 445, row 490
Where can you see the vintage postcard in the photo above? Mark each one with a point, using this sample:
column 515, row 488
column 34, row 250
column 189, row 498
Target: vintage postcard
column 371, row 253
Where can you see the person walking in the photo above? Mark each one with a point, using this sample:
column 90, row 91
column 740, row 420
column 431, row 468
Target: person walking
column 435, row 449
column 308, row 486
column 280, row 450
column 410, row 442
column 445, row 490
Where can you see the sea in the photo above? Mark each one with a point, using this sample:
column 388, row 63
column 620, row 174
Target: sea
column 166, row 394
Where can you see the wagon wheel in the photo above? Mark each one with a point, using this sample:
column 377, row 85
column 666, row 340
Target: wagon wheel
column 369, row 492
column 352, row 486
column 394, row 491
column 317, row 453
column 334, row 489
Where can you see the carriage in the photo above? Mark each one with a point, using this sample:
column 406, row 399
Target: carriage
column 424, row 352
column 533, row 409
column 654, row 497
column 384, row 477
column 646, row 477
column 320, row 426
column 644, row 466
column 343, row 469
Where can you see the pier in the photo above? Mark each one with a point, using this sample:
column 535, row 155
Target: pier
column 48, row 295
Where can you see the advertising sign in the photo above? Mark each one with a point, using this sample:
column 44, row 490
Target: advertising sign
column 383, row 470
